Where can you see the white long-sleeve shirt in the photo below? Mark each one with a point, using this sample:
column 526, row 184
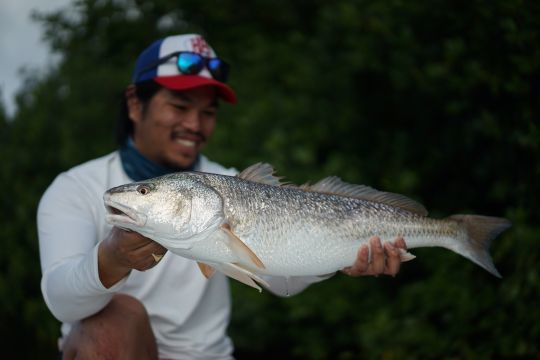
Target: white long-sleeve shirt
column 188, row 313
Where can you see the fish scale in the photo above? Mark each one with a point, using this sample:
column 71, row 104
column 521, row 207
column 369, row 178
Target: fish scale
column 300, row 232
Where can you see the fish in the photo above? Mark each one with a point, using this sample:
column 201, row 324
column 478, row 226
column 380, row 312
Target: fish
column 254, row 224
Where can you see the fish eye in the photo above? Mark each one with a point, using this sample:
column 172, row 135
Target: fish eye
column 143, row 189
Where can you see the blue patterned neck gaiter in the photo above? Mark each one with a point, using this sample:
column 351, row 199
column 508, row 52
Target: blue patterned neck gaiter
column 139, row 168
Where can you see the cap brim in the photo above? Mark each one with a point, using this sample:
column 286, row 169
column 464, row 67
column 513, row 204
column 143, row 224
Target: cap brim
column 185, row 82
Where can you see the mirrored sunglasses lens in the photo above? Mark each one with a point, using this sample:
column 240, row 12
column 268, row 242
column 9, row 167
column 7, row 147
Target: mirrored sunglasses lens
column 219, row 69
column 190, row 64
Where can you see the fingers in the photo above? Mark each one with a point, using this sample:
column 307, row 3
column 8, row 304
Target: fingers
column 368, row 262
column 400, row 243
column 129, row 240
column 133, row 250
column 361, row 265
column 393, row 260
column 378, row 257
column 147, row 256
column 384, row 259
column 143, row 258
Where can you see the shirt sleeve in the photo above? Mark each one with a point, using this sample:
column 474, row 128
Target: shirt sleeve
column 68, row 244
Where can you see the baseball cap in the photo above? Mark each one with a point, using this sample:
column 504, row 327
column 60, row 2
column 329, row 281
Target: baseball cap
column 159, row 63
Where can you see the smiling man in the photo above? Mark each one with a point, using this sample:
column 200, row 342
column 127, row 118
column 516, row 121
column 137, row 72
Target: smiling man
column 118, row 294
column 166, row 141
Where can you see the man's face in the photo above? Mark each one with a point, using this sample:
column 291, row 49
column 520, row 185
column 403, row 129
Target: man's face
column 175, row 126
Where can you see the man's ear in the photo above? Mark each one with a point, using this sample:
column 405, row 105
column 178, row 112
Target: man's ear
column 134, row 106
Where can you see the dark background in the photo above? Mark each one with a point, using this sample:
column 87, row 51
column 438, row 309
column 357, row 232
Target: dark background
column 437, row 100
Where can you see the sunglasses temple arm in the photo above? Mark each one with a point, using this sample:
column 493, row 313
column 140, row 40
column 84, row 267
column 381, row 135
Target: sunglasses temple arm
column 157, row 63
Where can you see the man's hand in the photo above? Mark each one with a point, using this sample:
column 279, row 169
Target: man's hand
column 385, row 259
column 123, row 251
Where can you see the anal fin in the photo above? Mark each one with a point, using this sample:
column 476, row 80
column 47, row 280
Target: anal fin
column 245, row 276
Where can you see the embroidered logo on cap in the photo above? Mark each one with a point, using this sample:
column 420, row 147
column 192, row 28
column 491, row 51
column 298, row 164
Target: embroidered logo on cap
column 200, row 46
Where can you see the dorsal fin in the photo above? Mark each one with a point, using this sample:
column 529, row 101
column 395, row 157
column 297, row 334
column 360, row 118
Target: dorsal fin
column 262, row 173
column 334, row 185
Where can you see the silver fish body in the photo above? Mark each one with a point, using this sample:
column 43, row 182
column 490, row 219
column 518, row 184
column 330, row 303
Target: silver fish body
column 252, row 224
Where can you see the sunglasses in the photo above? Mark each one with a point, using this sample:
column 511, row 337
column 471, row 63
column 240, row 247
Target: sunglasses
column 191, row 63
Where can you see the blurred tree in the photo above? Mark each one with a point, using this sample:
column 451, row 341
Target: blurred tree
column 437, row 100
column 3, row 115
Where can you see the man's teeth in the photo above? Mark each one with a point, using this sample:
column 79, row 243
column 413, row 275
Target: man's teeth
column 187, row 143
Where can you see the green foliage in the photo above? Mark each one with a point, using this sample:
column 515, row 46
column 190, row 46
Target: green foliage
column 436, row 100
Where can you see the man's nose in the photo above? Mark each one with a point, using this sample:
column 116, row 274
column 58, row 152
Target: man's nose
column 192, row 121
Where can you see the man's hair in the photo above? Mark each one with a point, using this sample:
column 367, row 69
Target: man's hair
column 144, row 91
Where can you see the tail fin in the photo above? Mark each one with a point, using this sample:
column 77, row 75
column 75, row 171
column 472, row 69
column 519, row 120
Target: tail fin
column 481, row 230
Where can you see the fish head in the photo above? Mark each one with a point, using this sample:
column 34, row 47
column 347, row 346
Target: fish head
column 174, row 210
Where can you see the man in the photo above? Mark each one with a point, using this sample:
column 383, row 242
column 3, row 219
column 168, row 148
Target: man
column 97, row 279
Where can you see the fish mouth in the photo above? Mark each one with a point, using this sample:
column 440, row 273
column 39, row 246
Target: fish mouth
column 123, row 216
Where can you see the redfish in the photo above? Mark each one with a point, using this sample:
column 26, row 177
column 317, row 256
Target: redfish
column 252, row 224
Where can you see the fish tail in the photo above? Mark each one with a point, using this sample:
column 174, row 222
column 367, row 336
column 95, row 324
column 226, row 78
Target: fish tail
column 480, row 230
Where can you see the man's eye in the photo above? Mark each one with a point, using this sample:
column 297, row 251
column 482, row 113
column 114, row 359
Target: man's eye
column 180, row 107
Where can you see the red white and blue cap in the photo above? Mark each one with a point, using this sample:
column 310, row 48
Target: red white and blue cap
column 168, row 75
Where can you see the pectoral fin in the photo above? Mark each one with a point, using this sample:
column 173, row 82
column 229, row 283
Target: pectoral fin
column 241, row 274
column 206, row 269
column 244, row 253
